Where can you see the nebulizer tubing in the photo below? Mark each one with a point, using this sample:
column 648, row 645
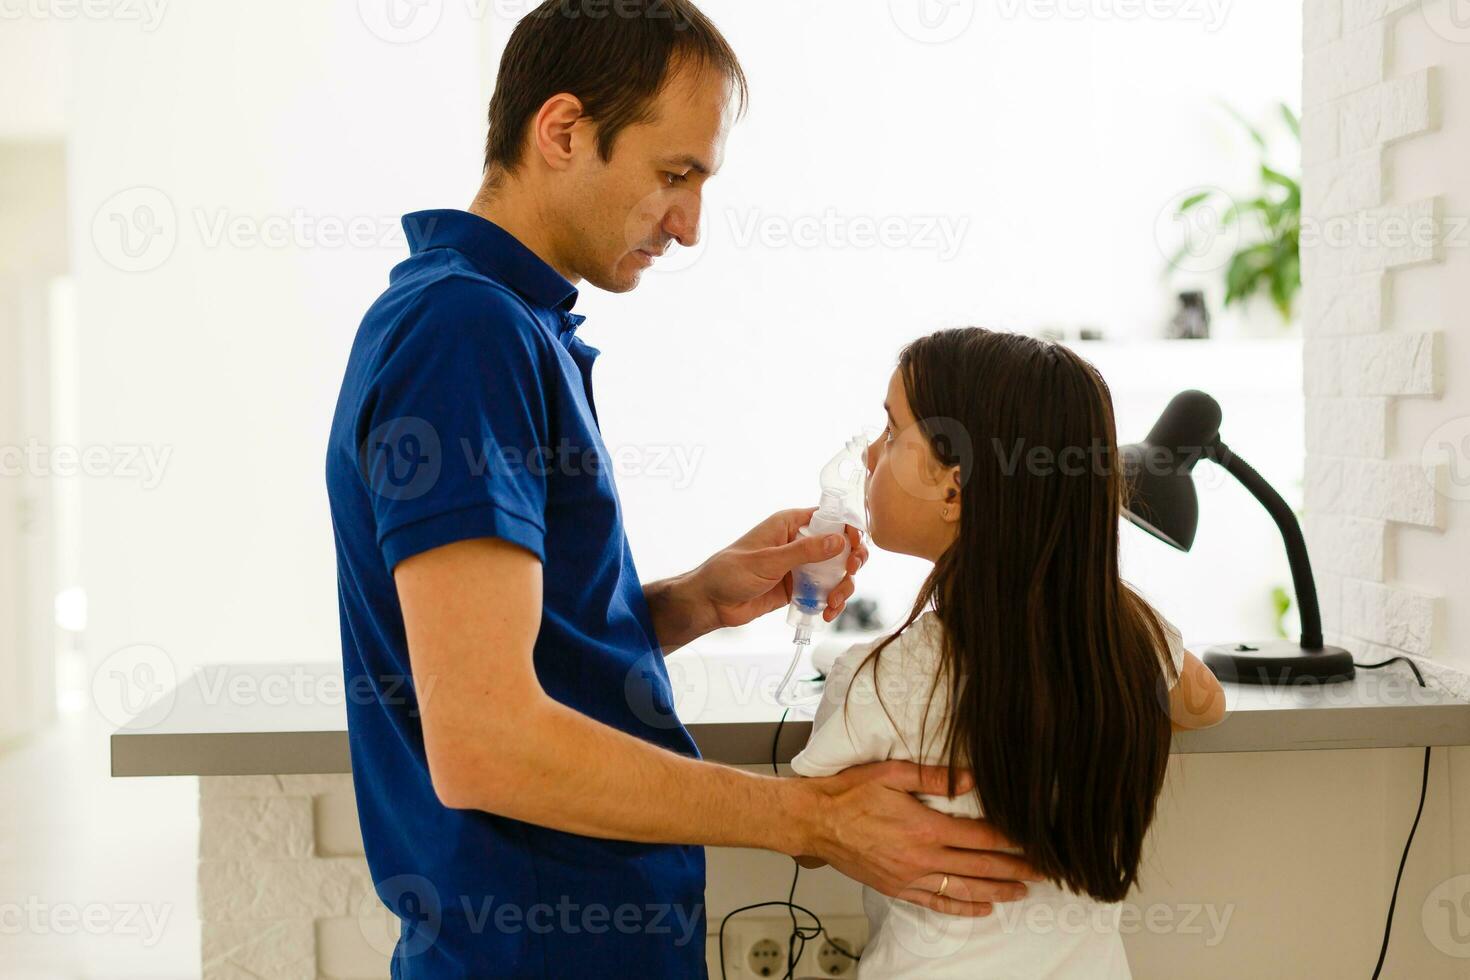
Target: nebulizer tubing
column 812, row 584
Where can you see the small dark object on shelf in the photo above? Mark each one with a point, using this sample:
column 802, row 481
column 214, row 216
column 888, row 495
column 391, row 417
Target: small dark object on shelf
column 1192, row 322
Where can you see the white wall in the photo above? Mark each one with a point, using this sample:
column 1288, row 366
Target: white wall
column 1387, row 493
column 33, row 253
column 1435, row 298
column 223, row 351
column 1388, row 390
column 34, row 74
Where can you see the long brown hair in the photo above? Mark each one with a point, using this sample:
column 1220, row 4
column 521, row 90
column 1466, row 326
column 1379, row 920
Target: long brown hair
column 1055, row 668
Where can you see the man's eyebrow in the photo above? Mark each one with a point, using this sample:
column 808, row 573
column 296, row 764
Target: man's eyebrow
column 692, row 162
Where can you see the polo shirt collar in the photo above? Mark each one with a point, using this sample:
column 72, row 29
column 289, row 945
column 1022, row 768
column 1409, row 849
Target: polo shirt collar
column 495, row 252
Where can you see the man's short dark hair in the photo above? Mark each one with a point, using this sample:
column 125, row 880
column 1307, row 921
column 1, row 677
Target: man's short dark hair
column 613, row 55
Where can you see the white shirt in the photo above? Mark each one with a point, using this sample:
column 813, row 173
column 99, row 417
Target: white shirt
column 1052, row 933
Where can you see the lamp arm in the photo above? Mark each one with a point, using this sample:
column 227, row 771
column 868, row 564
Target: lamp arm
column 1291, row 533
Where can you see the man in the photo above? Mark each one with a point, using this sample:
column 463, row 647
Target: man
column 528, row 808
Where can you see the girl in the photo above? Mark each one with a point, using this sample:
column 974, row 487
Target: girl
column 1025, row 659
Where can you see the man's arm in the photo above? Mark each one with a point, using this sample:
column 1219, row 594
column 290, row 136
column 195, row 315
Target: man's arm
column 748, row 579
column 497, row 742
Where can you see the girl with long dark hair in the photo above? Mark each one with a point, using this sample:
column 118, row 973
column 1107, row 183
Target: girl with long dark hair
column 1025, row 661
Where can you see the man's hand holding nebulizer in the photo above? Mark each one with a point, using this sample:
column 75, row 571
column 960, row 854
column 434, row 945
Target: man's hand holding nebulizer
column 841, row 504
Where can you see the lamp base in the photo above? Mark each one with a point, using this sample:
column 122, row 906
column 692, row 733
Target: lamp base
column 1279, row 662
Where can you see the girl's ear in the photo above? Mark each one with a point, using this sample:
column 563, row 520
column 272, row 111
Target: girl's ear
column 950, row 487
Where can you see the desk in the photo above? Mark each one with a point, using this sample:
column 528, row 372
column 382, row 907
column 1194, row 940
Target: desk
column 274, row 719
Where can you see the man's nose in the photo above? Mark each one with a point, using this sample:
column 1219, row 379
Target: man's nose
column 682, row 220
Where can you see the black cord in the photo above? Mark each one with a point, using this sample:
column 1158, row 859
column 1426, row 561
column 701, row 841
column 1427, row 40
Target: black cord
column 800, row 935
column 776, row 742
column 1423, row 792
column 791, row 948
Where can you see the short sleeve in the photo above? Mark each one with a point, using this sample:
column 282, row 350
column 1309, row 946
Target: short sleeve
column 851, row 727
column 450, row 438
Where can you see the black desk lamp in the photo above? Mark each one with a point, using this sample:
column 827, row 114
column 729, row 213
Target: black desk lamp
column 1162, row 501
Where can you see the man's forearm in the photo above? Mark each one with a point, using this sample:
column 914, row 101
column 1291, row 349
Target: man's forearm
column 678, row 618
column 558, row 768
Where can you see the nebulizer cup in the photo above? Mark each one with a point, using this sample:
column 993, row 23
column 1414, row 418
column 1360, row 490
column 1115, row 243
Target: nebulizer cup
column 841, row 504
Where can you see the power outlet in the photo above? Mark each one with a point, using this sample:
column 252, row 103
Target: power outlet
column 832, row 955
column 835, row 958
column 757, row 947
column 766, row 958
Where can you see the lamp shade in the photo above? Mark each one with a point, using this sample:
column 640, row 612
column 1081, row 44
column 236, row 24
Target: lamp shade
column 1159, row 472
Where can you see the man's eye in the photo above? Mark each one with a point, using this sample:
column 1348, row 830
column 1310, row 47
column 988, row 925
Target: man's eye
column 674, row 178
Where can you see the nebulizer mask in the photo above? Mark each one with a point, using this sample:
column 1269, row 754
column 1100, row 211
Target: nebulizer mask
column 841, row 504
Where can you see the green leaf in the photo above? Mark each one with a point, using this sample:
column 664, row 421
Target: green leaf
column 1177, row 257
column 1255, row 133
column 1279, row 179
column 1194, row 200
column 1268, row 259
column 1280, row 292
column 1281, row 602
column 1293, row 121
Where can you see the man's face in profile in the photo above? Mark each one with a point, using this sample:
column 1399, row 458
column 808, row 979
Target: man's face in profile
column 626, row 211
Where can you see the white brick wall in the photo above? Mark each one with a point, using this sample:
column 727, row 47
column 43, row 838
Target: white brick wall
column 1364, row 229
column 1347, row 427
column 1354, row 305
column 284, row 891
column 1349, row 64
column 1395, row 110
column 1357, row 13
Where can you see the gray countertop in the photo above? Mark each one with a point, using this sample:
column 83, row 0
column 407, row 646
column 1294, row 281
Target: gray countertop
column 257, row 719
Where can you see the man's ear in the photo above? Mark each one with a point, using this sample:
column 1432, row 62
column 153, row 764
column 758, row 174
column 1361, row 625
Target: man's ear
column 552, row 130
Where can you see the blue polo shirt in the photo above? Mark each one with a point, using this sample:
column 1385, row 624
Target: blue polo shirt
column 467, row 412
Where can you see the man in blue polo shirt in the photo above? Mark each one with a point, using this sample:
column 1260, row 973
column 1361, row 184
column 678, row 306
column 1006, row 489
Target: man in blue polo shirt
column 530, row 806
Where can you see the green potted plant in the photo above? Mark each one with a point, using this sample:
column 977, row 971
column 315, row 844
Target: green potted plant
column 1267, row 262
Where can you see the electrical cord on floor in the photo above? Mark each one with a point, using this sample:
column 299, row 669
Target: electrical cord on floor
column 800, row 935
column 1423, row 791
